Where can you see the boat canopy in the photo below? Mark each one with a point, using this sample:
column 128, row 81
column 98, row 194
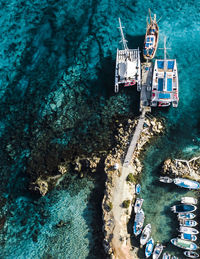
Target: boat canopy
column 169, row 84
column 164, row 96
column 160, row 64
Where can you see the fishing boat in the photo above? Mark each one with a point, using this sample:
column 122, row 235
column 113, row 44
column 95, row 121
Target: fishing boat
column 165, row 89
column 186, row 215
column 128, row 66
column 188, row 245
column 137, row 188
column 138, row 205
column 166, row 256
column 149, row 247
column 165, row 179
column 157, row 251
column 189, row 200
column 174, row 257
column 189, row 237
column 186, row 183
column 183, row 208
column 189, row 230
column 138, row 223
column 191, row 254
column 188, row 223
column 145, row 235
column 151, row 38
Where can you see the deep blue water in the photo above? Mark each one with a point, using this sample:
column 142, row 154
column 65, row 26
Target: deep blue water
column 56, row 87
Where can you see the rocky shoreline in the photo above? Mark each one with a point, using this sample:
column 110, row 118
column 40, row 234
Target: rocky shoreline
column 117, row 242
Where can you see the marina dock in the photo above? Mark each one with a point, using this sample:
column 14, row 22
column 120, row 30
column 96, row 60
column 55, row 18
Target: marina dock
column 145, row 94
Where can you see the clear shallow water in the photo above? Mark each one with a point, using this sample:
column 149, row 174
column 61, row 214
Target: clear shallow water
column 43, row 42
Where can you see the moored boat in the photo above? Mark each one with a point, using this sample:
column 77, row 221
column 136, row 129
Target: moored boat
column 137, row 188
column 188, row 223
column 183, row 208
column 145, row 234
column 186, row 215
column 157, row 251
column 149, row 247
column 166, row 256
column 138, row 205
column 151, row 38
column 189, row 237
column 185, row 244
column 186, row 183
column 191, row 254
column 138, row 223
column 189, row 230
column 165, row 179
column 189, row 200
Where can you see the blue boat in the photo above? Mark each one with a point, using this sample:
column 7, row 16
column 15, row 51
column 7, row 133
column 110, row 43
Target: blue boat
column 186, row 183
column 149, row 247
column 166, row 256
column 186, row 215
column 184, row 244
column 189, row 237
column 183, row 208
column 137, row 188
column 138, row 223
column 188, row 223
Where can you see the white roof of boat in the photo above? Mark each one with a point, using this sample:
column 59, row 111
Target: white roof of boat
column 127, row 69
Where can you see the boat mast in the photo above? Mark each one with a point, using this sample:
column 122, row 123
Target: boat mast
column 150, row 16
column 123, row 40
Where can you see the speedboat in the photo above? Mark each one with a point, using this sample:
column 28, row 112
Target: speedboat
column 166, row 256
column 188, row 230
column 165, row 179
column 137, row 188
column 149, row 247
column 188, row 223
column 189, row 237
column 138, row 223
column 186, row 215
column 191, row 254
column 145, row 234
column 186, row 183
column 151, row 38
column 185, row 244
column 183, row 208
column 189, row 200
column 138, row 205
column 157, row 251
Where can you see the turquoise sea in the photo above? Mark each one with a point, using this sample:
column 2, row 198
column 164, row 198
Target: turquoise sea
column 57, row 63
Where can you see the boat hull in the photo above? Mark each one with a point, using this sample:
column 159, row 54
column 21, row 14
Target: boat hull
column 145, row 235
column 157, row 251
column 186, row 183
column 191, row 254
column 184, row 244
column 149, row 248
column 138, row 205
column 186, row 215
column 188, row 237
column 189, row 200
column 183, row 208
column 188, row 230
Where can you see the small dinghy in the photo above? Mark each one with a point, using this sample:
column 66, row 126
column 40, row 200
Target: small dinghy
column 137, row 188
column 166, row 256
column 157, row 251
column 188, row 230
column 189, row 237
column 149, row 247
column 189, row 200
column 191, row 254
column 188, row 223
column 165, row 179
column 186, row 215
column 174, row 257
column 138, row 224
column 145, row 235
column 138, row 205
column 185, row 244
column 186, row 183
column 183, row 208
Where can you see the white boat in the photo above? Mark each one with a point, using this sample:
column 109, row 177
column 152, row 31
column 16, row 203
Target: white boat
column 128, row 66
column 188, row 223
column 138, row 205
column 165, row 87
column 189, row 237
column 188, row 230
column 183, row 208
column 189, row 200
column 165, row 179
column 149, row 247
column 191, row 254
column 138, row 223
column 145, row 234
column 166, row 256
column 188, row 245
column 186, row 183
column 157, row 251
column 186, row 215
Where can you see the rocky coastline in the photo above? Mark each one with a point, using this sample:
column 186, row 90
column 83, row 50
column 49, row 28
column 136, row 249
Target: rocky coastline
column 117, row 243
